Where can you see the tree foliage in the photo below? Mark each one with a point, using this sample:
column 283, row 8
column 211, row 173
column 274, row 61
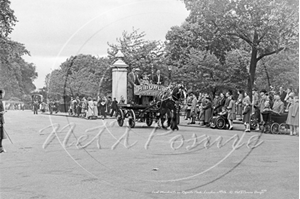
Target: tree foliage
column 7, row 18
column 139, row 53
column 260, row 27
column 80, row 75
column 204, row 72
column 281, row 69
column 8, row 49
column 17, row 80
column 16, row 75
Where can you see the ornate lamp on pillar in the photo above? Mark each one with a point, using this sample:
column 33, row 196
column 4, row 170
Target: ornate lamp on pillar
column 119, row 77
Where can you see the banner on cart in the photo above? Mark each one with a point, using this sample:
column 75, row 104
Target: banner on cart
column 149, row 90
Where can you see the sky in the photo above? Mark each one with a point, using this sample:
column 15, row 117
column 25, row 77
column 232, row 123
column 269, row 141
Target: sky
column 54, row 30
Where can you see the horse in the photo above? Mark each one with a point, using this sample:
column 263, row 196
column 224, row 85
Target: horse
column 169, row 106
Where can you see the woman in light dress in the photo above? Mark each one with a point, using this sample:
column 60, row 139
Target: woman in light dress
column 293, row 115
column 247, row 112
column 91, row 109
column 231, row 111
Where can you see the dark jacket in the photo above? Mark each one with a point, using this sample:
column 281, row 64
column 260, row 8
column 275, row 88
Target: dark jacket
column 114, row 104
column 133, row 79
column 155, row 80
column 227, row 101
column 1, row 110
column 282, row 96
column 220, row 104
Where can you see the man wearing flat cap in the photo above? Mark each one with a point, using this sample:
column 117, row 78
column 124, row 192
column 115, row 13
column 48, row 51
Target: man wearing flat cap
column 132, row 80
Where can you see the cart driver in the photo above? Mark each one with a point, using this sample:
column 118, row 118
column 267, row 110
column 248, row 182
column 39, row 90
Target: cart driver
column 158, row 78
column 133, row 79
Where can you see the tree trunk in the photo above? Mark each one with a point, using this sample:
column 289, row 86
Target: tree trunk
column 268, row 78
column 252, row 70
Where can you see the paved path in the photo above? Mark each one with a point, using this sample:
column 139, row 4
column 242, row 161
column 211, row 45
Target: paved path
column 160, row 164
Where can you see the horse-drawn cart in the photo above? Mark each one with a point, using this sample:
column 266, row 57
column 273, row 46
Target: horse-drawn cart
column 153, row 103
column 144, row 108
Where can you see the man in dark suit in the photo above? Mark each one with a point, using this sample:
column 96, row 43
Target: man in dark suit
column 158, row 78
column 282, row 94
column 132, row 80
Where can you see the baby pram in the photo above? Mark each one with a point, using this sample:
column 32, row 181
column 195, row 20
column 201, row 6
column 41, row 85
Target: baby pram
column 274, row 122
column 219, row 121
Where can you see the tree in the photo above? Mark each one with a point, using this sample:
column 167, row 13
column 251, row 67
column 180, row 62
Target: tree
column 17, row 80
column 181, row 40
column 80, row 75
column 7, row 18
column 16, row 75
column 204, row 72
column 262, row 27
column 8, row 48
column 139, row 53
column 282, row 70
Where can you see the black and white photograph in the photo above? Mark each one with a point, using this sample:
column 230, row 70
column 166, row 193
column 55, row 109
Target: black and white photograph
column 149, row 99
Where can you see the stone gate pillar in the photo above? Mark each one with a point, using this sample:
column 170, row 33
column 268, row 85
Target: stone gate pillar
column 119, row 78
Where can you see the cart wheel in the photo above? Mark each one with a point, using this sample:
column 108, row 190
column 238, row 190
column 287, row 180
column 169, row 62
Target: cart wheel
column 267, row 128
column 120, row 117
column 220, row 123
column 149, row 120
column 252, row 117
column 275, row 128
column 253, row 123
column 284, row 128
column 131, row 119
column 261, row 127
column 212, row 123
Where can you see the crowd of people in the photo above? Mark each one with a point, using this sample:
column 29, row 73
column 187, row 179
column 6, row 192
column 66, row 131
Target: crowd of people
column 14, row 106
column 239, row 106
column 92, row 108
